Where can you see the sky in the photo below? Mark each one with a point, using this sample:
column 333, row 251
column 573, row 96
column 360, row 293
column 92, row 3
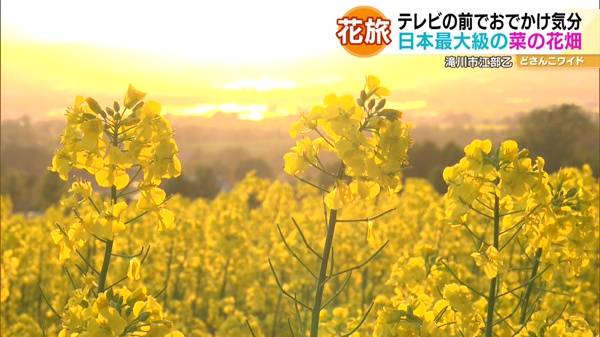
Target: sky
column 259, row 59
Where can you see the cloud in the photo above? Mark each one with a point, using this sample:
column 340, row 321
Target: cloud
column 243, row 111
column 517, row 100
column 263, row 84
column 409, row 105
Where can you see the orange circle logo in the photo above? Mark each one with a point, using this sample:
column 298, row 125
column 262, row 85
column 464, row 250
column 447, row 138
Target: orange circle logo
column 364, row 31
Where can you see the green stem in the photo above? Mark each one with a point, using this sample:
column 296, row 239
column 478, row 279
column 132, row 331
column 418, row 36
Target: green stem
column 276, row 319
column 489, row 324
column 109, row 243
column 105, row 264
column 529, row 290
column 320, row 283
column 107, row 251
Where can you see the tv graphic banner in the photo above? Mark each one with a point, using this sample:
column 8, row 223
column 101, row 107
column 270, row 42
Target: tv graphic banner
column 476, row 39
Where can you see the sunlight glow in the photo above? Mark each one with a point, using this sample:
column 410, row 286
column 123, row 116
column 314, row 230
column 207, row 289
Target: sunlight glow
column 252, row 112
column 263, row 84
column 257, row 59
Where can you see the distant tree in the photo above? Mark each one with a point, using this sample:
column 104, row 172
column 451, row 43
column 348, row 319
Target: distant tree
column 422, row 158
column 227, row 160
column 17, row 186
column 565, row 135
column 206, row 182
column 49, row 189
column 258, row 165
column 203, row 183
column 180, row 185
column 427, row 160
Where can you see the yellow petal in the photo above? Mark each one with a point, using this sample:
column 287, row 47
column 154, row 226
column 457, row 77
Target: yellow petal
column 167, row 219
column 118, row 227
column 293, row 163
column 486, row 146
column 364, row 189
column 330, row 100
column 150, row 109
column 174, row 334
column 133, row 96
column 104, row 177
column 121, row 179
column 339, row 197
column 138, row 307
column 372, row 82
column 119, row 208
column 382, row 92
column 134, row 271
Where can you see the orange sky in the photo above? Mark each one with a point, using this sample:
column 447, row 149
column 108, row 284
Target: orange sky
column 52, row 54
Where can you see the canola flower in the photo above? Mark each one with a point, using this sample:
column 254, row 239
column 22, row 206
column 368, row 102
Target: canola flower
column 370, row 140
column 110, row 144
column 509, row 276
column 371, row 145
column 216, row 278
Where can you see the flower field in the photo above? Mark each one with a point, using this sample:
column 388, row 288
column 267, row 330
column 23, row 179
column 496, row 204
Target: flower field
column 509, row 250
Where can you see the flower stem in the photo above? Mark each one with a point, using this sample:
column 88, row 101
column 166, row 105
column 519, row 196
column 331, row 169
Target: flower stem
column 489, row 324
column 320, row 282
column 529, row 290
column 107, row 250
column 109, row 243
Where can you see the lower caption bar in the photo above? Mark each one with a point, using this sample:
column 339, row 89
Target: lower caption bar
column 558, row 61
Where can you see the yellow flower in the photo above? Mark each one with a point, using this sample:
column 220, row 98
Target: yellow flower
column 81, row 189
column 364, row 189
column 373, row 239
column 166, row 219
column 61, row 164
column 477, row 148
column 374, row 87
column 459, row 297
column 134, row 272
column 339, row 197
column 489, row 261
column 109, row 176
column 150, row 198
column 174, row 334
column 293, row 163
column 509, row 150
column 133, row 96
column 340, row 312
column 109, row 223
column 92, row 133
column 72, row 239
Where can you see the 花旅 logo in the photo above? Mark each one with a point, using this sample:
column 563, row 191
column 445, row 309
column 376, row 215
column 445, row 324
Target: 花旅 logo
column 364, row 31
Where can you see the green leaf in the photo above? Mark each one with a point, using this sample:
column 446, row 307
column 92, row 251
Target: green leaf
column 395, row 316
column 138, row 106
column 572, row 192
column 371, row 104
column 130, row 120
column 94, row 106
column 363, row 95
column 391, row 114
column 144, row 316
column 380, row 105
column 87, row 116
